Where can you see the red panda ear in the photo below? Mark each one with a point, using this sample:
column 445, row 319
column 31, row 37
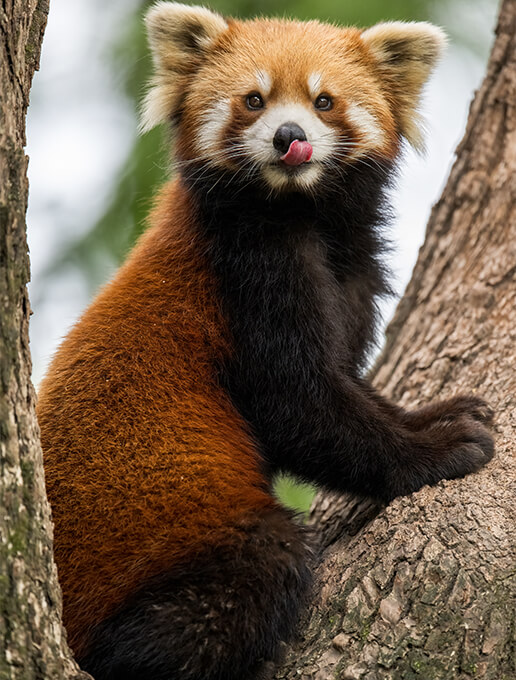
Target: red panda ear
column 405, row 54
column 179, row 37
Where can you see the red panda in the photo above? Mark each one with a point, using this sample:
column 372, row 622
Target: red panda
column 231, row 346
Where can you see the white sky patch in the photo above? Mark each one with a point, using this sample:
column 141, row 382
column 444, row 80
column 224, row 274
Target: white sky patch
column 210, row 131
column 314, row 83
column 264, row 82
column 369, row 127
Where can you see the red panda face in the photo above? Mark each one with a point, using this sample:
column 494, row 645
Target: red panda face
column 284, row 103
column 280, row 111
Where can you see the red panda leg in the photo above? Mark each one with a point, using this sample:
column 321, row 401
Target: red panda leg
column 224, row 616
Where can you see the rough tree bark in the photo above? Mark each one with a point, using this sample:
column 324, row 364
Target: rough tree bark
column 32, row 642
column 426, row 588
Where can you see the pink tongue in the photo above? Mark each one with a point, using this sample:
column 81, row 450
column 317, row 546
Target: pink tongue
column 298, row 152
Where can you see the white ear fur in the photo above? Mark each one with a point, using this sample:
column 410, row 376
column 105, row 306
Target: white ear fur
column 406, row 54
column 179, row 36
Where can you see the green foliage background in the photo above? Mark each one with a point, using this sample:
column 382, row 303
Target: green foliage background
column 146, row 166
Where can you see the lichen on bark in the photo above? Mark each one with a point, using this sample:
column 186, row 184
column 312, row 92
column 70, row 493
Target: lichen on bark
column 32, row 639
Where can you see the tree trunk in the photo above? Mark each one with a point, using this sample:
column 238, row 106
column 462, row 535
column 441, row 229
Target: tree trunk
column 426, row 588
column 423, row 589
column 32, row 641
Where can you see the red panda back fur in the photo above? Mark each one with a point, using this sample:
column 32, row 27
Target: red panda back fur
column 122, row 518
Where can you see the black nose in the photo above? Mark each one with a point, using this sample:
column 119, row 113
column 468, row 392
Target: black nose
column 286, row 134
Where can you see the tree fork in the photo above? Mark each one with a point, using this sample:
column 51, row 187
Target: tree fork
column 426, row 588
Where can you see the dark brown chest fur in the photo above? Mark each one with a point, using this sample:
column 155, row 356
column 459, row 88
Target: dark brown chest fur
column 299, row 282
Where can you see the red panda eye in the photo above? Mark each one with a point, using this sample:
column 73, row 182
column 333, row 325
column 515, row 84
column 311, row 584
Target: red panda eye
column 254, row 101
column 323, row 102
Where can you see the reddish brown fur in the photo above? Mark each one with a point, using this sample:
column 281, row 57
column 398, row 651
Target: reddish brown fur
column 350, row 74
column 132, row 421
column 148, row 463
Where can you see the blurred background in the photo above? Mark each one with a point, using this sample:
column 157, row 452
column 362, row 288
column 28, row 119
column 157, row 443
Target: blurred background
column 92, row 177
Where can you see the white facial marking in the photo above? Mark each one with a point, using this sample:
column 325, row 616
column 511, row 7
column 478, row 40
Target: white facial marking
column 264, row 82
column 210, row 131
column 258, row 137
column 314, row 84
column 155, row 108
column 258, row 144
column 368, row 126
column 277, row 178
